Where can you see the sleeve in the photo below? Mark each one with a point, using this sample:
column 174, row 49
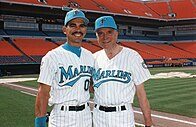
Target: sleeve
column 47, row 71
column 140, row 71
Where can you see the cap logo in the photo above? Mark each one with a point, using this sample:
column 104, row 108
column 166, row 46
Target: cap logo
column 76, row 12
column 102, row 21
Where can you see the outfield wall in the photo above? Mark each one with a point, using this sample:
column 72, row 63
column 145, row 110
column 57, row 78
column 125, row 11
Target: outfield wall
column 18, row 69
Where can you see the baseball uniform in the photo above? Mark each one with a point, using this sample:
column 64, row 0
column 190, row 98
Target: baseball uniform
column 114, row 84
column 68, row 73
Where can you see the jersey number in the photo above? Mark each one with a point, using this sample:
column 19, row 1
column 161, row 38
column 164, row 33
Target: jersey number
column 86, row 84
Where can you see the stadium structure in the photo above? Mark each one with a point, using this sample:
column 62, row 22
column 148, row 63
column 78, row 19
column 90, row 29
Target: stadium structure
column 162, row 31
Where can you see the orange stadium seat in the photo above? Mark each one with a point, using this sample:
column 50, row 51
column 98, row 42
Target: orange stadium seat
column 9, row 54
column 110, row 6
column 173, row 51
column 88, row 5
column 138, row 47
column 49, row 2
column 6, row 49
column 94, row 42
column 27, row 1
column 137, row 9
column 162, row 53
column 156, row 62
column 87, row 45
column 34, row 47
column 146, row 55
column 161, row 8
column 90, row 47
column 183, row 8
column 59, row 43
column 57, row 2
column 186, row 46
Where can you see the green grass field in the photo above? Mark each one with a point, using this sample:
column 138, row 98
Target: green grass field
column 175, row 95
column 16, row 109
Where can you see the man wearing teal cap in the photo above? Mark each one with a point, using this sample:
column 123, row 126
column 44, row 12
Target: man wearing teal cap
column 64, row 79
column 119, row 74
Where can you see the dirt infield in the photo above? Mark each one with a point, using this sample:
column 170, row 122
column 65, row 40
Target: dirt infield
column 160, row 119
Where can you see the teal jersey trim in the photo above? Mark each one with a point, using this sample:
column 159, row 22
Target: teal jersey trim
column 75, row 50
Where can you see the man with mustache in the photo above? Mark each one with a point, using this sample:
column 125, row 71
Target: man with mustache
column 120, row 73
column 64, row 78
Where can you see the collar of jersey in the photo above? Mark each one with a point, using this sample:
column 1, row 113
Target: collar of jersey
column 73, row 49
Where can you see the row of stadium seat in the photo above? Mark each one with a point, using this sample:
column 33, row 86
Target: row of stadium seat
column 23, row 50
column 162, row 51
column 189, row 47
column 179, row 8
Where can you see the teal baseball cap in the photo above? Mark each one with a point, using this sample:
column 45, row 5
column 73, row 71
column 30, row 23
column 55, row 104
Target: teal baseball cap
column 105, row 22
column 75, row 14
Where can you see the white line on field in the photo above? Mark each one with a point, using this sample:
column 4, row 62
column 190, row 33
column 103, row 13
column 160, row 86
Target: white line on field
column 19, row 86
column 139, row 124
column 27, row 93
column 168, row 118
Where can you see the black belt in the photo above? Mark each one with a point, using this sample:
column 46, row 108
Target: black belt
column 110, row 109
column 73, row 108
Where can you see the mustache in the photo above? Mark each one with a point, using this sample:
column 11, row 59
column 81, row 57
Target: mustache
column 77, row 33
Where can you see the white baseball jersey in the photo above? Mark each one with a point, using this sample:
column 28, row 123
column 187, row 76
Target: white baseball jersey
column 68, row 75
column 115, row 79
column 114, row 85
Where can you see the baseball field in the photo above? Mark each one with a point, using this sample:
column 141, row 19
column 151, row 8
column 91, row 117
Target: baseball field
column 174, row 95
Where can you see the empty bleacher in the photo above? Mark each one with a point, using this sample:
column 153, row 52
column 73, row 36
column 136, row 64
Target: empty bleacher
column 94, row 42
column 6, row 49
column 88, row 5
column 183, row 9
column 136, row 8
column 27, row 1
column 57, row 2
column 10, row 55
column 110, row 6
column 91, row 47
column 35, row 48
column 175, row 52
column 160, row 52
column 138, row 47
column 186, row 46
column 158, row 9
column 161, row 8
column 139, row 9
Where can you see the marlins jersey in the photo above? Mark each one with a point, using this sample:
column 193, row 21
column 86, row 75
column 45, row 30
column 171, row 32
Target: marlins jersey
column 68, row 75
column 115, row 79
